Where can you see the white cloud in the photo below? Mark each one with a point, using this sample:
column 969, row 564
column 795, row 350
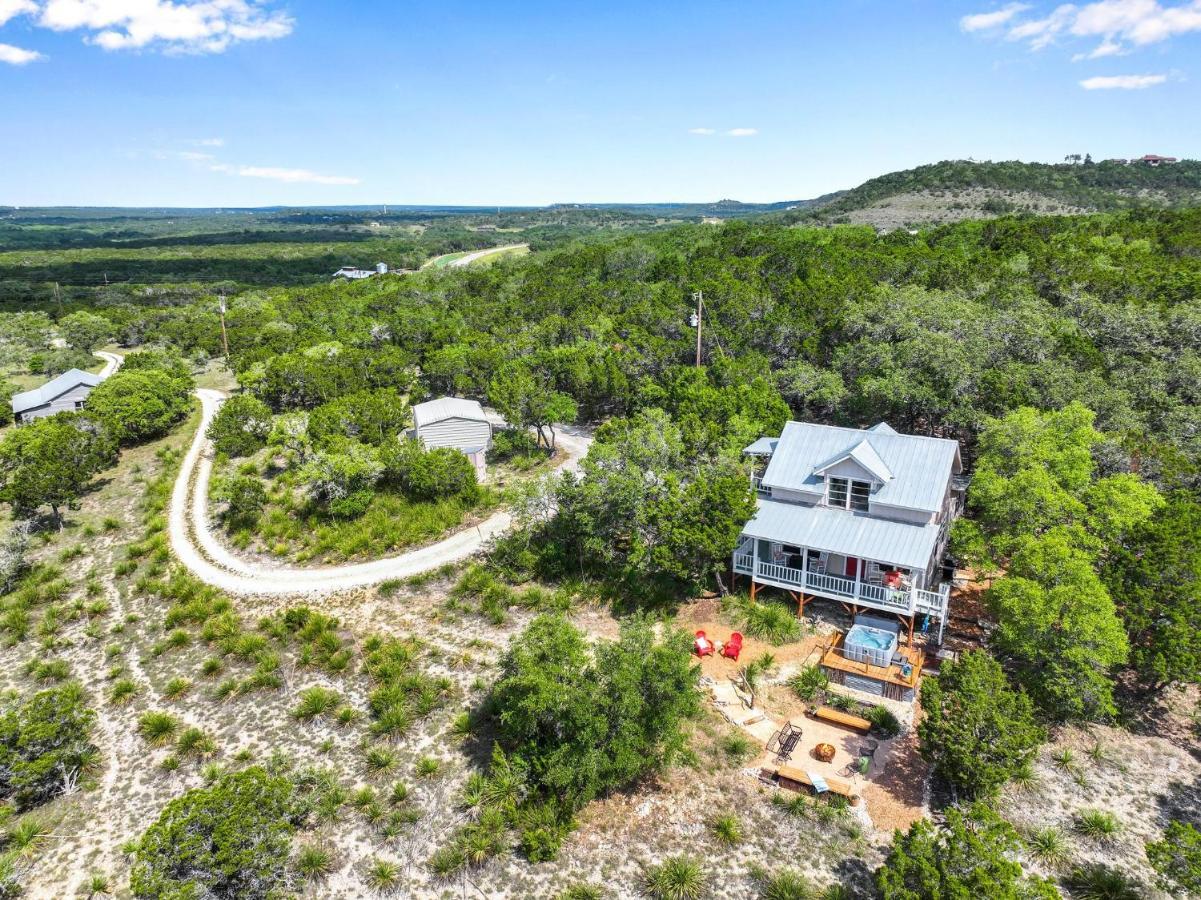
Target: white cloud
column 742, row 132
column 185, row 26
column 193, row 156
column 291, row 176
column 10, row 9
column 211, row 142
column 705, row 131
column 16, row 56
column 994, row 19
column 1119, row 24
column 1122, row 82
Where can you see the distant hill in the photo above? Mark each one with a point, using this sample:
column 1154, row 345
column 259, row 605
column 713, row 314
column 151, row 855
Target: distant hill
column 953, row 190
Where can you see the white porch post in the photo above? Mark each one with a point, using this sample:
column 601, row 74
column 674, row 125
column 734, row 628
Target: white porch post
column 858, row 573
column 805, row 567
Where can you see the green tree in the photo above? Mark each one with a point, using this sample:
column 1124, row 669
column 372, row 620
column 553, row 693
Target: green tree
column 50, row 461
column 45, row 741
column 373, row 417
column 526, row 399
column 7, row 390
column 245, row 497
column 977, row 731
column 1058, row 627
column 1177, row 858
column 1155, row 577
column 85, row 331
column 588, row 719
column 241, row 426
column 970, row 857
column 139, row 404
column 231, row 839
column 342, row 480
column 428, row 474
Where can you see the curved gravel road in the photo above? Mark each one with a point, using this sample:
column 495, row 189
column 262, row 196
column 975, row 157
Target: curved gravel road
column 197, row 547
column 112, row 362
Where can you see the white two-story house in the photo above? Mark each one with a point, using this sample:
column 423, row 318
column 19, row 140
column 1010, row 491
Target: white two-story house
column 861, row 516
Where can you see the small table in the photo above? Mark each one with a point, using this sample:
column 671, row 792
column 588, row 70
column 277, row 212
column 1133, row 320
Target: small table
column 824, row 752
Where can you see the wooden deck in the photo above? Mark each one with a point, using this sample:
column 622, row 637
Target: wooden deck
column 834, row 660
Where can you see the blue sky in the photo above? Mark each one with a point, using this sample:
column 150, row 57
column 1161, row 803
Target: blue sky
column 236, row 102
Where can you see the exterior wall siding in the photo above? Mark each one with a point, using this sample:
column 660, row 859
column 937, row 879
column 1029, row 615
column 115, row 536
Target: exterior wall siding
column 457, row 433
column 896, row 514
column 795, row 496
column 62, row 403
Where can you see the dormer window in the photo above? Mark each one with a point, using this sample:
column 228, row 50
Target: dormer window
column 848, row 493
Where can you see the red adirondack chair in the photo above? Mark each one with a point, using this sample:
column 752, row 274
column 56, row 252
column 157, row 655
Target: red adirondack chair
column 733, row 646
column 702, row 645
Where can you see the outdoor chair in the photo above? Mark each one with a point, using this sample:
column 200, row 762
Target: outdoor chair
column 733, row 646
column 702, row 645
column 784, row 742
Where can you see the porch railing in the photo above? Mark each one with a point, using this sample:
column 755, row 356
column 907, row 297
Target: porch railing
column 905, row 600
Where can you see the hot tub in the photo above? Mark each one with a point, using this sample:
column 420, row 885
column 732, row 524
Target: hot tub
column 872, row 641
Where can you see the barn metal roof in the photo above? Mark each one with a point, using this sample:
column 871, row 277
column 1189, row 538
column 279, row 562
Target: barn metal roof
column 765, row 446
column 55, row 387
column 920, row 466
column 447, row 408
column 843, row 532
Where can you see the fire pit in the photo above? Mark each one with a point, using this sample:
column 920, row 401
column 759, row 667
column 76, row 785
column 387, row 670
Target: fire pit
column 824, row 752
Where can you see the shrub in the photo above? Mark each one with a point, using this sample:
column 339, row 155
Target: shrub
column 176, row 688
column 770, row 620
column 676, row 878
column 42, row 740
column 423, row 474
column 342, row 481
column 727, row 829
column 241, row 426
column 194, row 742
column 244, row 497
column 1177, row 858
column 382, row 874
column 314, row 862
column 229, row 839
column 1100, row 882
column 884, row 722
column 1048, row 847
column 809, row 683
column 787, row 884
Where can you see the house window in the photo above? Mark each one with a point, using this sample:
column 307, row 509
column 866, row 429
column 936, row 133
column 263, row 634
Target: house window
column 860, row 494
column 848, row 494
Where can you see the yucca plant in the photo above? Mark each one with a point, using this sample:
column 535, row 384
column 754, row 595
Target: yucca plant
column 1097, row 824
column 582, row 892
column 27, row 836
column 382, row 874
column 314, row 861
column 157, row 727
column 1048, row 846
column 676, row 878
column 1100, row 882
column 316, row 701
column 428, row 767
column 98, row 885
column 380, row 759
column 787, row 884
column 446, row 861
column 193, row 741
column 122, row 691
column 176, row 688
column 726, row 829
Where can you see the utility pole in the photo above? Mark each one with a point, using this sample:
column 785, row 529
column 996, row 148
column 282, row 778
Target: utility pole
column 224, row 336
column 698, row 320
column 58, row 298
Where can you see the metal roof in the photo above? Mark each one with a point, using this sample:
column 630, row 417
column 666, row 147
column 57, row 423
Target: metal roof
column 765, row 446
column 55, row 387
column 447, row 408
column 920, row 466
column 865, row 456
column 843, row 532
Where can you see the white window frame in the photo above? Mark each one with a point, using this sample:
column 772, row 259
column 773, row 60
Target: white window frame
column 849, row 492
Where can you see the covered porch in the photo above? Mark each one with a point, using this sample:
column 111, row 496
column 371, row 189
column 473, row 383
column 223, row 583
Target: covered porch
column 855, row 581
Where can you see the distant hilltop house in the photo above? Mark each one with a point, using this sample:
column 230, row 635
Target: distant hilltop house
column 860, row 516
column 1152, row 159
column 65, row 393
column 455, row 422
column 350, row 273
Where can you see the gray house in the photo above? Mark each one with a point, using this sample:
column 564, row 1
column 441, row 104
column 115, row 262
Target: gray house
column 861, row 516
column 66, row 393
column 454, row 422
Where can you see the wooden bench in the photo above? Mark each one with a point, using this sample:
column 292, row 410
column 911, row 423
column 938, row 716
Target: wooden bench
column 801, row 777
column 838, row 717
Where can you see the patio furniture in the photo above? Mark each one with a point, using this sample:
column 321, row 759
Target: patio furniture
column 789, row 776
column 702, row 645
column 733, row 646
column 838, row 717
column 784, row 741
column 858, row 766
column 824, row 752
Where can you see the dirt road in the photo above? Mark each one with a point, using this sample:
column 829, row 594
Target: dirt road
column 207, row 558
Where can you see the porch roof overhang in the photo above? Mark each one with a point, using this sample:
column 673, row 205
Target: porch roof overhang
column 843, row 532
